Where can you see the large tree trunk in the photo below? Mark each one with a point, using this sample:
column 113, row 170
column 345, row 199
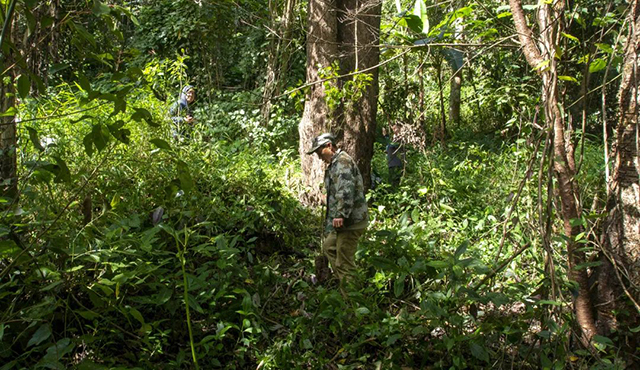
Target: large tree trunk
column 619, row 275
column 321, row 51
column 358, row 39
column 549, row 21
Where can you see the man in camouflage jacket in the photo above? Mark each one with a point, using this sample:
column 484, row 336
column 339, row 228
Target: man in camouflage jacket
column 347, row 217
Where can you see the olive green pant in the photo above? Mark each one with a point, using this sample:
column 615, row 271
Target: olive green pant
column 340, row 248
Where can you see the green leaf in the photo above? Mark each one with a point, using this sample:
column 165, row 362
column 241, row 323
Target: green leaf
column 63, row 174
column 88, row 144
column 43, row 333
column 59, row 350
column 446, row 207
column 51, row 286
column 461, row 249
column 568, row 78
column 143, row 114
column 84, row 83
column 570, row 37
column 24, row 85
column 479, row 352
column 161, row 144
column 398, row 285
column 184, row 176
column 31, row 21
column 99, row 8
column 83, row 33
column 89, row 315
column 360, row 311
column 195, row 305
column 414, row 22
column 382, row 263
column 549, row 302
column 420, row 10
column 35, row 140
column 392, row 339
column 597, row 65
column 438, row 264
column 603, row 340
column 10, row 112
column 8, row 248
column 99, row 138
column 543, row 65
column 119, row 105
column 605, row 47
column 136, row 315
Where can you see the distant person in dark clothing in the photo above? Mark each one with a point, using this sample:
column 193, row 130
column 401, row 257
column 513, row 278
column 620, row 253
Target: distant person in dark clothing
column 180, row 111
column 395, row 158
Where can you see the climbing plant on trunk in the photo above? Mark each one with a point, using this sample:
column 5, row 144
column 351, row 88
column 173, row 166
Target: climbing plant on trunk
column 543, row 59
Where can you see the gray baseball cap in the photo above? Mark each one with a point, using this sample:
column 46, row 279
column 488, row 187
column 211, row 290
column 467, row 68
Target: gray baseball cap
column 321, row 140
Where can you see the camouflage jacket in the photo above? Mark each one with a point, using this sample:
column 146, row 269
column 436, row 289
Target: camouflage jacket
column 345, row 192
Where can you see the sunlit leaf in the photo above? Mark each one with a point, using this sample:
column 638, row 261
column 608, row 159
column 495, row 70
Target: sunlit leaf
column 570, row 36
column 605, row 47
column 437, row 264
column 597, row 65
column 568, row 78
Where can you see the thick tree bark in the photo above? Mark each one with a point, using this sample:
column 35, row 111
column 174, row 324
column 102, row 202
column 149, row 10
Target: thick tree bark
column 619, row 275
column 543, row 59
column 321, row 51
column 358, row 39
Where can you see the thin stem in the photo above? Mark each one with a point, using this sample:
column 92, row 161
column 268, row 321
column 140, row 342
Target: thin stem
column 183, row 262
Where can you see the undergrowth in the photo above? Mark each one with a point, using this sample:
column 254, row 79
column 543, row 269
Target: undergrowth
column 118, row 223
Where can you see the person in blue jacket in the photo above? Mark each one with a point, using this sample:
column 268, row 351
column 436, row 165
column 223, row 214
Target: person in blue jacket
column 180, row 112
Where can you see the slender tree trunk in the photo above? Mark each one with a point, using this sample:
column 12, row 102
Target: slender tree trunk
column 358, row 38
column 549, row 21
column 440, row 131
column 279, row 53
column 619, row 275
column 8, row 138
column 321, row 51
column 454, row 96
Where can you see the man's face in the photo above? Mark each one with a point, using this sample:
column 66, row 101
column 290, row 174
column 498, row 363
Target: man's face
column 325, row 153
column 191, row 96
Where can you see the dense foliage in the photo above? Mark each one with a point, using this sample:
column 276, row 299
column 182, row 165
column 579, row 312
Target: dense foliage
column 128, row 247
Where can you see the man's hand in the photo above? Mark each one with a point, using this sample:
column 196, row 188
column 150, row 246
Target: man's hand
column 338, row 222
column 189, row 119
